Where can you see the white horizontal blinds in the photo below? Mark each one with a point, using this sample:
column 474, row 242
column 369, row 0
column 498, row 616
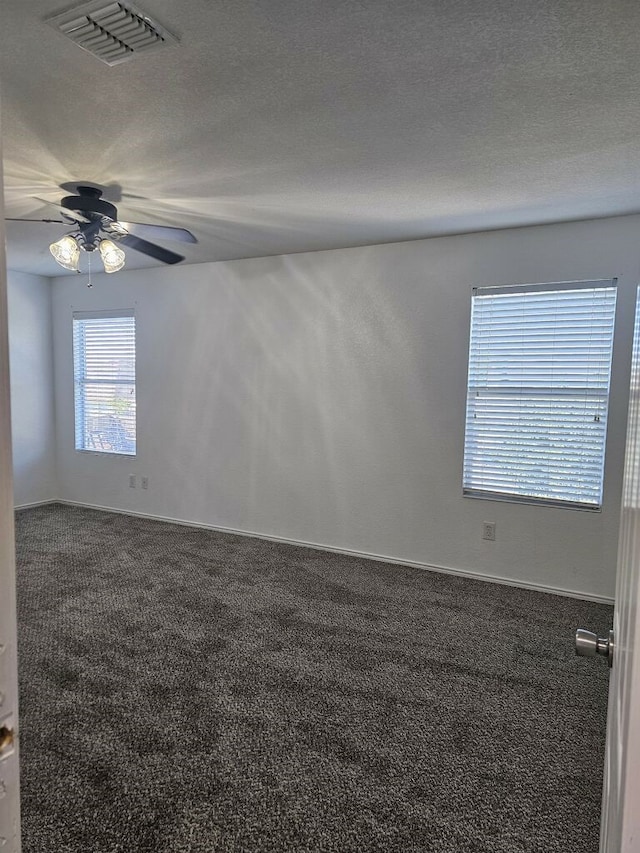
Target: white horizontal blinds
column 104, row 349
column 538, row 392
column 631, row 493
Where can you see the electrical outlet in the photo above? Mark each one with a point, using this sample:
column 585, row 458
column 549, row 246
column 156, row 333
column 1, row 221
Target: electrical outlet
column 144, row 482
column 132, row 481
column 489, row 530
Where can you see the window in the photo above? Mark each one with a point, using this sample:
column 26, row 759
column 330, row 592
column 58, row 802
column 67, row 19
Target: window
column 538, row 392
column 104, row 355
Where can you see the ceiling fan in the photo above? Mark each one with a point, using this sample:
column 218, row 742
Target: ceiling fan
column 97, row 227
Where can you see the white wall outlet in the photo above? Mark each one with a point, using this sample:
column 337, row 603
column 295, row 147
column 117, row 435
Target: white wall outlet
column 144, row 482
column 132, row 481
column 489, row 530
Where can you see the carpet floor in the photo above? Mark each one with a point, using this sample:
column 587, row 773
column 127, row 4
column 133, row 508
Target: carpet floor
column 185, row 691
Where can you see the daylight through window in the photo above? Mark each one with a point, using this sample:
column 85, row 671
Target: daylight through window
column 104, row 350
column 538, row 392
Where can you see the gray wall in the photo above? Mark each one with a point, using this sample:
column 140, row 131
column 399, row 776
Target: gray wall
column 320, row 398
column 32, row 404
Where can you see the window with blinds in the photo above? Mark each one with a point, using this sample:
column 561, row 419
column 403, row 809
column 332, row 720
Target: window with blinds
column 104, row 354
column 538, row 392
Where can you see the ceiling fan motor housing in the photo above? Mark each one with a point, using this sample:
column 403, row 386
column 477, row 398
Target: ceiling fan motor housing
column 88, row 201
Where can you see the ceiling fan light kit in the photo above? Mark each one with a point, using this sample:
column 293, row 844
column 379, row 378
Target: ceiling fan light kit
column 66, row 252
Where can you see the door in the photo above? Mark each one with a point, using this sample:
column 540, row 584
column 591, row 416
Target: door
column 621, row 793
column 9, row 796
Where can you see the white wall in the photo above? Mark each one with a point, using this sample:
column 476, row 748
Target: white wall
column 32, row 405
column 320, row 397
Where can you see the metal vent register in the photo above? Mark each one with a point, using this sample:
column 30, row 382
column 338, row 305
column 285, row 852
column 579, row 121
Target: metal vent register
column 113, row 32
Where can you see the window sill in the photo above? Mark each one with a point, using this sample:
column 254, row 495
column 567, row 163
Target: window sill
column 530, row 501
column 106, row 453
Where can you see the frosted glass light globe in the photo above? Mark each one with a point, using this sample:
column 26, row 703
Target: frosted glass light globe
column 66, row 252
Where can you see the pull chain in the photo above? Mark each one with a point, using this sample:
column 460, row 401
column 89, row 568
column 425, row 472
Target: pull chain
column 89, row 284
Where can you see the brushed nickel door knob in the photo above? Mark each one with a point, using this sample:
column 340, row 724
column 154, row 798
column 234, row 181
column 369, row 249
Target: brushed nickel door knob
column 589, row 645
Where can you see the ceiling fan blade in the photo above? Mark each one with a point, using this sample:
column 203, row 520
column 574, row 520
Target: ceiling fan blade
column 159, row 232
column 73, row 215
column 11, row 219
column 157, row 252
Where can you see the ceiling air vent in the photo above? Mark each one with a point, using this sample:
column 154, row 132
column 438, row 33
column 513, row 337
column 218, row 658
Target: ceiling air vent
column 114, row 32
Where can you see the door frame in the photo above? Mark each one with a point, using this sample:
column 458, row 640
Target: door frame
column 9, row 759
column 620, row 822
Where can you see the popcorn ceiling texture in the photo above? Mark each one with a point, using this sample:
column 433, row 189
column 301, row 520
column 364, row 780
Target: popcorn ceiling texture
column 298, row 125
column 186, row 691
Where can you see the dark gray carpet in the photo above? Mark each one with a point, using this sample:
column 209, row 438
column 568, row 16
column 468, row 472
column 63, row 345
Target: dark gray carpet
column 184, row 690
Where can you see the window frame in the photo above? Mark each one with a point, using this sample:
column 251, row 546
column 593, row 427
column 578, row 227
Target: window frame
column 479, row 493
column 79, row 400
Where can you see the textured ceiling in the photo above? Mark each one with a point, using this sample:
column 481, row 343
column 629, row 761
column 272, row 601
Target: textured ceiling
column 292, row 125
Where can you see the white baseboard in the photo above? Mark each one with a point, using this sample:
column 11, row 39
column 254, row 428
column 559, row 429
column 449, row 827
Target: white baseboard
column 381, row 558
column 37, row 503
